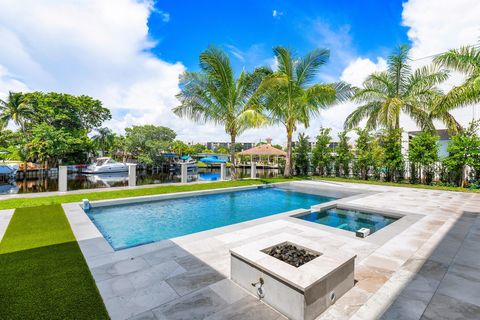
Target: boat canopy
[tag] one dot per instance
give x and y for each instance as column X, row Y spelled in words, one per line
column 212, row 159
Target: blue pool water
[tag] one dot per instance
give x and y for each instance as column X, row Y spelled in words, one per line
column 350, row 220
column 138, row 223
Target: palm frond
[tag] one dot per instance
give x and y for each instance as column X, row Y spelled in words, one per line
column 465, row 59
column 424, row 81
column 307, row 67
column 285, row 61
column 365, row 111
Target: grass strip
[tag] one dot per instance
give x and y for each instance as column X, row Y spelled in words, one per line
column 125, row 193
column 42, row 270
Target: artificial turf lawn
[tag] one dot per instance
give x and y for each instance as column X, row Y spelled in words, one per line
column 125, row 193
column 42, row 270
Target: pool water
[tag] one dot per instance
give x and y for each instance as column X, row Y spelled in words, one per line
column 138, row 223
column 350, row 220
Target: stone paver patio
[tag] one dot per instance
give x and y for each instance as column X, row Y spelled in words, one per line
column 425, row 265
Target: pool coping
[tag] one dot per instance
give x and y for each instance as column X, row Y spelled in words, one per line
column 94, row 245
column 405, row 220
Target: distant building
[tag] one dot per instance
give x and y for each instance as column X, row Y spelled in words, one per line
column 332, row 145
column 215, row 145
column 444, row 139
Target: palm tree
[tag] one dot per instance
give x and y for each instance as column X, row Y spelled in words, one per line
column 104, row 139
column 467, row 61
column 385, row 95
column 214, row 95
column 290, row 97
column 17, row 109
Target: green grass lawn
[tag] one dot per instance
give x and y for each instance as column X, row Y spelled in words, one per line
column 42, row 270
column 395, row 184
column 115, row 194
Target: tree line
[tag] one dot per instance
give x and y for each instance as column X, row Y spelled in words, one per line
column 377, row 155
column 291, row 95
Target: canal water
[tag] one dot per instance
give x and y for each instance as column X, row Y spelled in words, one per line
column 79, row 181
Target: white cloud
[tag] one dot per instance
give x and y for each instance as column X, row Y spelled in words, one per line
column 441, row 25
column 277, row 14
column 165, row 15
column 435, row 27
column 7, row 80
column 99, row 48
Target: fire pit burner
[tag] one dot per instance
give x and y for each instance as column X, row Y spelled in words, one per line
column 291, row 254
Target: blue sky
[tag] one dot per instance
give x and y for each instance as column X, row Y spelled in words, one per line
column 249, row 28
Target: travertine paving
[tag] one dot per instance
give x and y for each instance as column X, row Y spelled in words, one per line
column 429, row 253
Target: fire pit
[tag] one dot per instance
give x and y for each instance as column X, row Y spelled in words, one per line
column 291, row 254
column 292, row 274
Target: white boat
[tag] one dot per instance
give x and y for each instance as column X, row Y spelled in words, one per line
column 106, row 165
column 191, row 164
column 9, row 170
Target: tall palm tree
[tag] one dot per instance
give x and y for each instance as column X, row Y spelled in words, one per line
column 467, row 61
column 18, row 110
column 214, row 95
column 385, row 95
column 104, row 139
column 290, row 96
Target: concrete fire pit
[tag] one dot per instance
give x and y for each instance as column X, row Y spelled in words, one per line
column 302, row 292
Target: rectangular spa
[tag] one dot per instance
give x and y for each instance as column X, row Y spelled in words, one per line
column 137, row 223
column 349, row 219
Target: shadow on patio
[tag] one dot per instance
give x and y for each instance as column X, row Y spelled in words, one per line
column 447, row 285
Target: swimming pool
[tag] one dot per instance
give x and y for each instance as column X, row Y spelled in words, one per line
column 350, row 220
column 134, row 224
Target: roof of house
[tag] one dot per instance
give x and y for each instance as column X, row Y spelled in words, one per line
column 263, row 150
column 442, row 133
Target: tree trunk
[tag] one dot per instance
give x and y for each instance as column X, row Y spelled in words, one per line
column 288, row 161
column 233, row 171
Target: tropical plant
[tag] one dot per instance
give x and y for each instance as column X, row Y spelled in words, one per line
column 343, row 156
column 9, row 138
column 104, row 140
column 52, row 145
column 385, row 95
column 392, row 158
column 214, row 95
column 147, row 142
column 300, row 152
column 422, row 155
column 365, row 148
column 322, row 153
column 221, row 150
column 197, row 148
column 467, row 61
column 16, row 109
column 180, row 148
column 464, row 152
column 290, row 96
column 65, row 111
